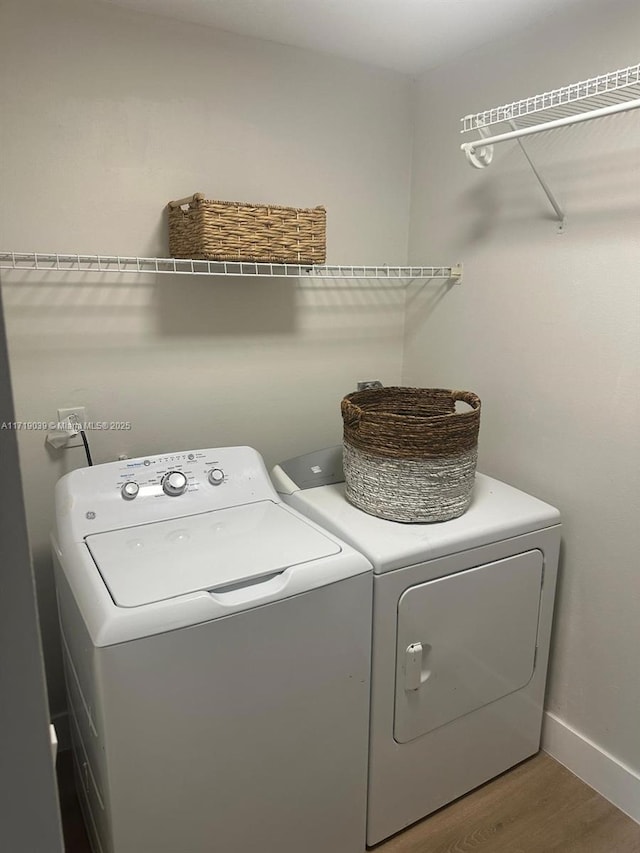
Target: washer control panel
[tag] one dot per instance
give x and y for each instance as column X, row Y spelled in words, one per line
column 152, row 488
column 172, row 475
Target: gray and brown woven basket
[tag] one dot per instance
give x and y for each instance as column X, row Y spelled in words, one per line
column 234, row 231
column 408, row 454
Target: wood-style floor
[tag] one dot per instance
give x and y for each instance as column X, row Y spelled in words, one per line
column 538, row 807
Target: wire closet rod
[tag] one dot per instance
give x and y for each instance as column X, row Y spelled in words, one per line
column 612, row 109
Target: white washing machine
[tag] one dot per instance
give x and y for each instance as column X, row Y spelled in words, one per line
column 217, row 654
column 461, row 624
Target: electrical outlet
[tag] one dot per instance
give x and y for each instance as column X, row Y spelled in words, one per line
column 66, row 415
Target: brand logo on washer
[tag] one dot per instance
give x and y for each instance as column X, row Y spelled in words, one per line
column 90, row 516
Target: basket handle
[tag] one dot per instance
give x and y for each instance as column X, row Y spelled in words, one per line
column 351, row 414
column 467, row 397
column 188, row 200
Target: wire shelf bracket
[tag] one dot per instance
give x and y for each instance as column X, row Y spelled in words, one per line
column 76, row 263
column 597, row 97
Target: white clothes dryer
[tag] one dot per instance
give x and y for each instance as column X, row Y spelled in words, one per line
column 217, row 656
column 461, row 626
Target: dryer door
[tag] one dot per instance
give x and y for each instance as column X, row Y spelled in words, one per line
column 465, row 640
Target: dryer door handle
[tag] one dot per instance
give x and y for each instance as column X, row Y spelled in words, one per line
column 415, row 673
column 413, row 666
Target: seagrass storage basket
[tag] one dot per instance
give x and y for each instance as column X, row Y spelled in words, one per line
column 408, row 454
column 234, row 231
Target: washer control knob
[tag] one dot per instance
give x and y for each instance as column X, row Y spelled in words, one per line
column 215, row 476
column 130, row 490
column 174, row 483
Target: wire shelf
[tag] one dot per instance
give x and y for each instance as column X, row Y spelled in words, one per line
column 176, row 266
column 606, row 90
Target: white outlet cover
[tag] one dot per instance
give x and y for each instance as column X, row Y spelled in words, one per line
column 81, row 414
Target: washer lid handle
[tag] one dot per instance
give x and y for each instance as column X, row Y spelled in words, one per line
column 251, row 590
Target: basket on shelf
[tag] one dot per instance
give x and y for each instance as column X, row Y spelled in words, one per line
column 234, row 231
column 408, row 454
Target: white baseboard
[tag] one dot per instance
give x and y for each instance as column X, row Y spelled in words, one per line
column 607, row 775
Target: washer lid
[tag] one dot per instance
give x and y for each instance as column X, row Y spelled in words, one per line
column 213, row 550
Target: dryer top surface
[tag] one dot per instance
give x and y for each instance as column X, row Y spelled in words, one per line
column 497, row 511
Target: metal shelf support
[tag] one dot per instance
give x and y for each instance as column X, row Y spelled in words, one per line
column 545, row 187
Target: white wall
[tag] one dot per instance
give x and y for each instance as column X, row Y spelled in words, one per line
column 106, row 115
column 546, row 328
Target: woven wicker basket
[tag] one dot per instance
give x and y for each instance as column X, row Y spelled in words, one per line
column 233, row 231
column 408, row 455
